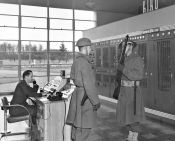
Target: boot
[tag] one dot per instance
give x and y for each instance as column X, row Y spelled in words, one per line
column 130, row 136
column 135, row 136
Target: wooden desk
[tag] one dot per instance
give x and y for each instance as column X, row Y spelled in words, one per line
column 51, row 122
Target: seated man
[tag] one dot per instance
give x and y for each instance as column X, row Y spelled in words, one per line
column 22, row 92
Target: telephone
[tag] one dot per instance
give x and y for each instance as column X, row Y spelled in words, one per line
column 56, row 97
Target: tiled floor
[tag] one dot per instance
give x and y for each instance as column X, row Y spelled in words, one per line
column 109, row 130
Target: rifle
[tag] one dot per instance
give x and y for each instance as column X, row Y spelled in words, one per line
column 119, row 72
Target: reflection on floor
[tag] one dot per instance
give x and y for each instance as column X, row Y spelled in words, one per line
column 107, row 129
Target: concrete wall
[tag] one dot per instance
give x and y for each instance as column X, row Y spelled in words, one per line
column 157, row 18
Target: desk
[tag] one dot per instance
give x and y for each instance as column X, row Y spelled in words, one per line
column 51, row 122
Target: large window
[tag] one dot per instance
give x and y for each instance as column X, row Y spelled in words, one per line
column 60, row 24
column 33, row 11
column 4, row 9
column 85, row 15
column 84, row 25
column 61, row 13
column 43, row 45
column 9, row 20
column 34, row 22
column 7, row 33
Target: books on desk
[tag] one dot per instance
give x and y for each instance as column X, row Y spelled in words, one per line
column 68, row 92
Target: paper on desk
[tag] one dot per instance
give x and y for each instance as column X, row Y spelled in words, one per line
column 67, row 93
column 56, row 84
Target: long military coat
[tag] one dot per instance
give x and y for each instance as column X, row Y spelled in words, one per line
column 83, row 77
column 133, row 70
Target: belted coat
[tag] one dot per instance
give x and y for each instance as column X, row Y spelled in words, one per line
column 133, row 71
column 83, row 77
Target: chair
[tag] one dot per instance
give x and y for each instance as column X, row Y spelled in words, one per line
column 10, row 119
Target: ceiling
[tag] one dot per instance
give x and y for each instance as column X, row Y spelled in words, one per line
column 114, row 6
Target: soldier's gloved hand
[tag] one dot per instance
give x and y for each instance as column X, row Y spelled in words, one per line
column 96, row 107
column 120, row 67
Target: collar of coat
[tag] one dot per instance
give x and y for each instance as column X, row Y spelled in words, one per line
column 24, row 82
column 80, row 55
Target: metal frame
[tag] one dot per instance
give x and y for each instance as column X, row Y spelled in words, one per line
column 6, row 108
column 20, row 27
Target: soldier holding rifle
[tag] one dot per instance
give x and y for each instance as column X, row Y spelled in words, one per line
column 130, row 108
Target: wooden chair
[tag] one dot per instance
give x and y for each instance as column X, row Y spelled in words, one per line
column 10, row 119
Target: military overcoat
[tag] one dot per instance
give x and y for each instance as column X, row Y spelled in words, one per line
column 83, row 77
column 133, row 70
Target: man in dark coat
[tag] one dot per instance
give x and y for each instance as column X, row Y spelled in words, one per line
column 21, row 93
column 85, row 101
column 130, row 107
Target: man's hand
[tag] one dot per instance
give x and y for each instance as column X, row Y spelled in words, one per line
column 96, row 107
column 34, row 82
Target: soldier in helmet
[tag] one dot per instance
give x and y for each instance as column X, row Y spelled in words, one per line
column 130, row 108
column 83, row 113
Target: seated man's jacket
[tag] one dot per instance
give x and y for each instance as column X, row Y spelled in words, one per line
column 22, row 92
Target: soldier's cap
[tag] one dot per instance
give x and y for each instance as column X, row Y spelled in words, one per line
column 83, row 42
column 134, row 44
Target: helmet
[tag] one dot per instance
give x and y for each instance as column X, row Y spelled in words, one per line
column 134, row 44
column 83, row 42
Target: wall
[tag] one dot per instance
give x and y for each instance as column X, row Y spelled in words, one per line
column 157, row 18
column 108, row 17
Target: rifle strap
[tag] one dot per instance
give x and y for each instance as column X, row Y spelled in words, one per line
column 85, row 97
column 135, row 101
